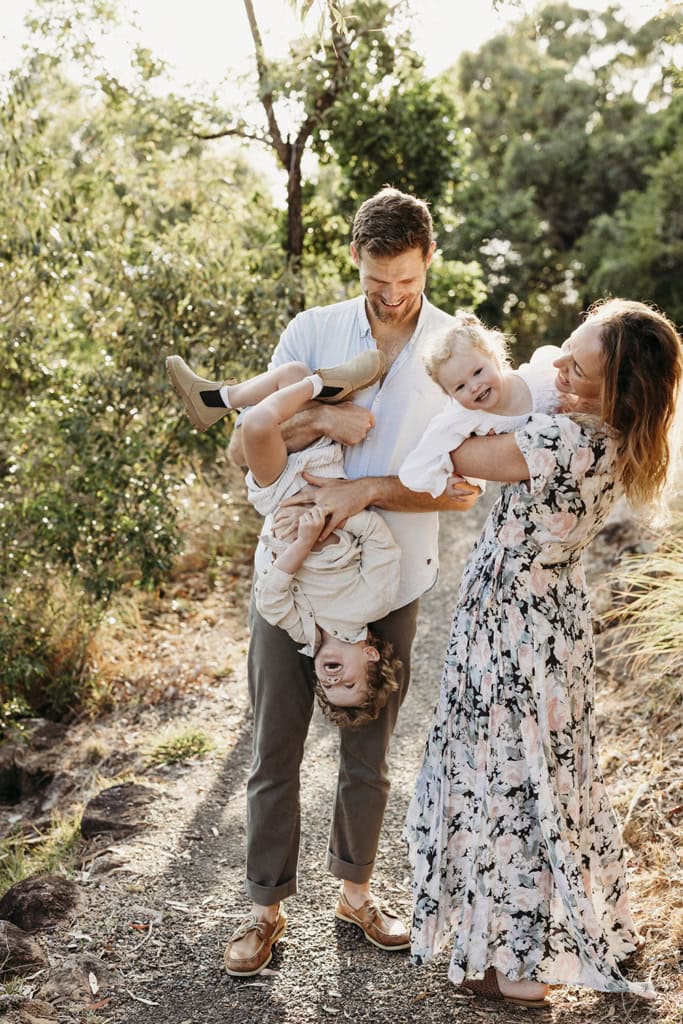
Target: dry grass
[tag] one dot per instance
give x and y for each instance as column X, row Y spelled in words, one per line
column 649, row 614
column 640, row 729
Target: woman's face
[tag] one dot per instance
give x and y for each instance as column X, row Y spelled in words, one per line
column 579, row 368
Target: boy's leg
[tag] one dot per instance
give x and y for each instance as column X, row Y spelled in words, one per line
column 204, row 400
column 265, row 451
column 256, row 389
column 363, row 782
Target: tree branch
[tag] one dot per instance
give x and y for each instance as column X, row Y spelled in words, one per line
column 282, row 148
column 231, row 131
column 6, row 313
column 341, row 48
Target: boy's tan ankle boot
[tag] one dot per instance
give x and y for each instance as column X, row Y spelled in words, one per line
column 203, row 403
column 360, row 372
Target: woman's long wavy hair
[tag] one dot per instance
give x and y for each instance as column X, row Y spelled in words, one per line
column 641, row 384
column 382, row 679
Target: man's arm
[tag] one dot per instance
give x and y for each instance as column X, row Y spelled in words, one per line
column 347, row 423
column 339, row 499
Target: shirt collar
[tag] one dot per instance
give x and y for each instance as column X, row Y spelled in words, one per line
column 366, row 329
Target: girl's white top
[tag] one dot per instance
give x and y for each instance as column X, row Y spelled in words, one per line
column 429, row 466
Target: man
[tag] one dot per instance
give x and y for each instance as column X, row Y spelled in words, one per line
column 393, row 245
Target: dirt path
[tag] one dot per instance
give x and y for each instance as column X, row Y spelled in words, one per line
column 163, row 904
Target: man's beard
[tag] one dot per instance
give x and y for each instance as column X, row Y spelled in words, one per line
column 388, row 315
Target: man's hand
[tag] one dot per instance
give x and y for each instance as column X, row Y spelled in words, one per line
column 336, row 499
column 346, row 422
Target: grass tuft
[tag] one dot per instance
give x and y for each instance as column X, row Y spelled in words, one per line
column 649, row 618
column 181, row 745
column 42, row 853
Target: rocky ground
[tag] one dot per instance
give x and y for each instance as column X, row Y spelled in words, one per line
column 161, row 903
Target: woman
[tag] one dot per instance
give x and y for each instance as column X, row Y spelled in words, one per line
column 516, row 853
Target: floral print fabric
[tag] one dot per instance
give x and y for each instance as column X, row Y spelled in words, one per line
column 516, row 853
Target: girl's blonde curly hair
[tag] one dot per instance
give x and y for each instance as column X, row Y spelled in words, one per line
column 466, row 333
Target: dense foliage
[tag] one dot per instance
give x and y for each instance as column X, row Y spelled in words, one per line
column 573, row 186
column 126, row 235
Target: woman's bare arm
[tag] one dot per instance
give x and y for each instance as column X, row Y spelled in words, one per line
column 495, row 457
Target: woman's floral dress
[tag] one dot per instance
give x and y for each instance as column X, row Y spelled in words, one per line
column 516, row 853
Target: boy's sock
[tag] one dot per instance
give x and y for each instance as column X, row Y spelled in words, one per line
column 316, row 382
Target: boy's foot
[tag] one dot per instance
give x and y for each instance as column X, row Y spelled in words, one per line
column 250, row 948
column 201, row 398
column 360, row 372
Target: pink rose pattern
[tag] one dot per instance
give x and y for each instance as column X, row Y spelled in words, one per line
column 516, row 852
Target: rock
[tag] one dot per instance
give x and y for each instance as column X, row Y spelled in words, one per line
column 41, row 901
column 43, row 734
column 27, row 1011
column 19, row 953
column 118, row 810
column 36, row 770
column 81, row 977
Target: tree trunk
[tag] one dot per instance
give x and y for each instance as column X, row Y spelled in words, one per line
column 295, row 229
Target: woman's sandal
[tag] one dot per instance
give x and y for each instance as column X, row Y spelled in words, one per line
column 488, row 986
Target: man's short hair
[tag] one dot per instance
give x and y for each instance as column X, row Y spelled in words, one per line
column 391, row 222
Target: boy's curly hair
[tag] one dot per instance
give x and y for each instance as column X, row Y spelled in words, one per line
column 383, row 680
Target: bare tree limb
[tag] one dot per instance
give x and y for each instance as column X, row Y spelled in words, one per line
column 282, row 148
column 240, row 132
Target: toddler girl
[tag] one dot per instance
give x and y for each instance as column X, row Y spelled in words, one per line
column 470, row 363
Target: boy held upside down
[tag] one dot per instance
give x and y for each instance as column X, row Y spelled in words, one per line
column 323, row 593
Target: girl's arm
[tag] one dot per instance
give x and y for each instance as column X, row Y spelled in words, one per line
column 494, row 457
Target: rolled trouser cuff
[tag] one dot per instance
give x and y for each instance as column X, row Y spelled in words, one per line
column 358, row 873
column 267, row 895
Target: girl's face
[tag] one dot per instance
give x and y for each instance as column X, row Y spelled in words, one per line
column 342, row 669
column 473, row 379
column 579, row 368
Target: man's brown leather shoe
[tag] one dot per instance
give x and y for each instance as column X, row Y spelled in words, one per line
column 244, row 962
column 379, row 924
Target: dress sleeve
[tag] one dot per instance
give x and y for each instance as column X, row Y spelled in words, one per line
column 540, row 374
column 558, row 451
